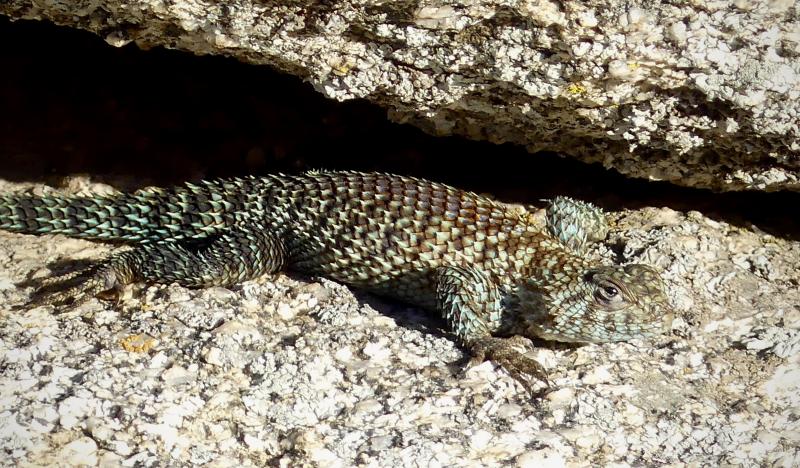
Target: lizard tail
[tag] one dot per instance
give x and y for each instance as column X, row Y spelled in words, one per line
column 150, row 215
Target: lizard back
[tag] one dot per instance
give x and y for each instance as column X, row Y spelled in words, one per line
column 388, row 233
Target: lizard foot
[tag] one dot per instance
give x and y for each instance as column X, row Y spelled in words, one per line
column 76, row 288
column 506, row 352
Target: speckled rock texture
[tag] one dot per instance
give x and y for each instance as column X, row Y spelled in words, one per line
column 699, row 93
column 295, row 371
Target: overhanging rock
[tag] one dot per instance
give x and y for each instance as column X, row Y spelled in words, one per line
column 702, row 94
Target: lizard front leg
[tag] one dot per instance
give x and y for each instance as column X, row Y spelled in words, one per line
column 236, row 255
column 471, row 304
column 576, row 223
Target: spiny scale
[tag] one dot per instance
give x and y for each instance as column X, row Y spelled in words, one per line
column 484, row 265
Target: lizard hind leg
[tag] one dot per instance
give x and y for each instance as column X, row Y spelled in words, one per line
column 236, row 255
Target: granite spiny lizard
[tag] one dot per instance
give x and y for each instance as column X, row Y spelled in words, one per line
column 493, row 273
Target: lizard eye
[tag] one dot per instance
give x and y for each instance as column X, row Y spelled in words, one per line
column 608, row 294
column 609, row 291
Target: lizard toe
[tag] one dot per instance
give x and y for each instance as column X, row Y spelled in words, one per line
column 506, row 353
column 74, row 289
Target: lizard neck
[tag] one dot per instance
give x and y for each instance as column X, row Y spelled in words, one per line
column 548, row 287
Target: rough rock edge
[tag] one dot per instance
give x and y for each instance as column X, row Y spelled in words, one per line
column 295, row 370
column 703, row 94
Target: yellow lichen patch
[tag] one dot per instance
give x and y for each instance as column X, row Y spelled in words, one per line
column 139, row 343
column 341, row 70
column 576, row 89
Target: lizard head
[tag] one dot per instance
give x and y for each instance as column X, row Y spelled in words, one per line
column 606, row 303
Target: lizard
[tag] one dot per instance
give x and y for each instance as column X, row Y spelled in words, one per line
column 496, row 277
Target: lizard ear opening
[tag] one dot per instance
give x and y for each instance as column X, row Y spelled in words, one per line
column 589, row 276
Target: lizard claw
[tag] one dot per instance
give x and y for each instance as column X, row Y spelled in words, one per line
column 506, row 353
